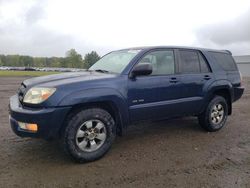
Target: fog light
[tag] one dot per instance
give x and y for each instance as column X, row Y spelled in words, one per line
column 28, row 126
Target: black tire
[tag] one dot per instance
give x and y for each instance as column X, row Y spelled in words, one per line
column 75, row 122
column 206, row 120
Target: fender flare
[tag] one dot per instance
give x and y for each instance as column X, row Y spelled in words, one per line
column 216, row 86
column 100, row 95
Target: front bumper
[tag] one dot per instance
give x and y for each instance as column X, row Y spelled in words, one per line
column 49, row 120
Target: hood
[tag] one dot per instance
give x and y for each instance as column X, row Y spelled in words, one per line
column 66, row 78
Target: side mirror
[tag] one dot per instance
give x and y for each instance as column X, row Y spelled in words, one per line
column 141, row 69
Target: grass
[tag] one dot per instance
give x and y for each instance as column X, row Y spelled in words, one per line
column 25, row 73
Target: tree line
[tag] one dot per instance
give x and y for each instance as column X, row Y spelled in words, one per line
column 72, row 59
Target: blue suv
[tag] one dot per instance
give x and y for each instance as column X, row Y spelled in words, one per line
column 86, row 110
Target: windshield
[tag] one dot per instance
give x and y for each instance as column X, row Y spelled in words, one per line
column 114, row 62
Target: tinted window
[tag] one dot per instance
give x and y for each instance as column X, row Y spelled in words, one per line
column 225, row 61
column 162, row 62
column 203, row 64
column 189, row 61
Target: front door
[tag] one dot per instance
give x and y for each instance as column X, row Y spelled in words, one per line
column 155, row 96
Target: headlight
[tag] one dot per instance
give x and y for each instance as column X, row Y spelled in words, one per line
column 37, row 95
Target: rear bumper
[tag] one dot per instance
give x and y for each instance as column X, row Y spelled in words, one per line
column 49, row 120
column 238, row 92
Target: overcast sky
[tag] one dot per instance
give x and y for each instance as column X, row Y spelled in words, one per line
column 51, row 27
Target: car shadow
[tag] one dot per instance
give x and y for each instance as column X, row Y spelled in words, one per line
column 41, row 151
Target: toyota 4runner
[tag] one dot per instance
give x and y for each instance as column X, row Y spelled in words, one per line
column 86, row 110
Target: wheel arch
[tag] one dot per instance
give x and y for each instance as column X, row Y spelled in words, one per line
column 221, row 88
column 109, row 106
column 225, row 93
column 108, row 99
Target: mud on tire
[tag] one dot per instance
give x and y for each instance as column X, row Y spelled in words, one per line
column 215, row 115
column 75, row 128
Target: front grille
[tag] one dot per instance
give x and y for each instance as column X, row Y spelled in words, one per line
column 21, row 92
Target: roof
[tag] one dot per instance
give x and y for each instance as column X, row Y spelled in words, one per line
column 242, row 59
column 178, row 47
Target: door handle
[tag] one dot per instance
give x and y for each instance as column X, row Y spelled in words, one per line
column 173, row 80
column 207, row 77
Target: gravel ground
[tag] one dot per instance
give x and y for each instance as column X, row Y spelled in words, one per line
column 173, row 153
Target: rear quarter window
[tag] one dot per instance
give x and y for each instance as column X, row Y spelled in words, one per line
column 224, row 60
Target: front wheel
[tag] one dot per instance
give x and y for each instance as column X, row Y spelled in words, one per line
column 89, row 134
column 215, row 115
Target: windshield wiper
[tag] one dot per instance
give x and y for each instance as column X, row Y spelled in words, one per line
column 101, row 70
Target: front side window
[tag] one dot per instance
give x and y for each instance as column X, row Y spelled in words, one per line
column 115, row 62
column 162, row 62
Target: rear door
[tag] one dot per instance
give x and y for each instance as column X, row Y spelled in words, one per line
column 195, row 73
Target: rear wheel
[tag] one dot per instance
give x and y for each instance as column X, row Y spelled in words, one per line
column 215, row 115
column 89, row 134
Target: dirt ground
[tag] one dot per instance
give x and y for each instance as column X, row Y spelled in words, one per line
column 173, row 153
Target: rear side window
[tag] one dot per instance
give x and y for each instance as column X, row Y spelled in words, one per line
column 189, row 61
column 224, row 60
column 203, row 64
